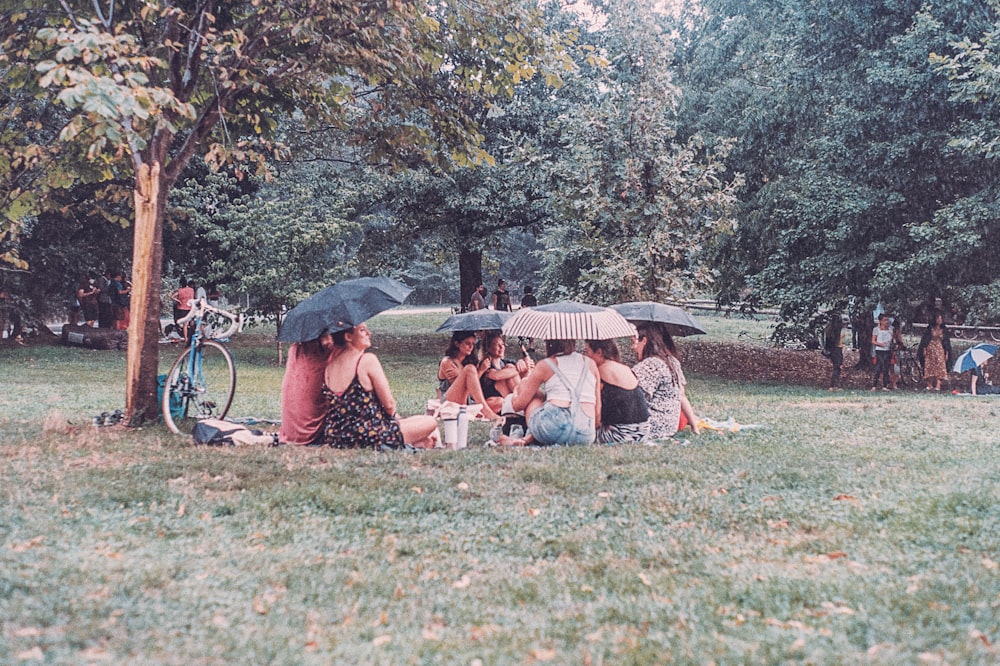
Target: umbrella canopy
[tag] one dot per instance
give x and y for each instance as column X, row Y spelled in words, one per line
column 477, row 320
column 974, row 356
column 567, row 320
column 341, row 306
column 678, row 322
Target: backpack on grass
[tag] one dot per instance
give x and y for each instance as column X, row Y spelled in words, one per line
column 216, row 432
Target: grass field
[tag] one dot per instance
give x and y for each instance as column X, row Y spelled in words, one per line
column 849, row 528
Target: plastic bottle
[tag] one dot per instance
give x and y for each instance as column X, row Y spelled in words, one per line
column 463, row 428
column 495, row 432
column 516, row 432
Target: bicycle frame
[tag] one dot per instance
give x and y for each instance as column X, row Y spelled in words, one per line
column 187, row 382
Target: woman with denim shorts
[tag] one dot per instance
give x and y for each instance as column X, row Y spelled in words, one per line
column 559, row 398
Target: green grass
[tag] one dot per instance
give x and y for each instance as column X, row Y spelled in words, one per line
column 850, row 528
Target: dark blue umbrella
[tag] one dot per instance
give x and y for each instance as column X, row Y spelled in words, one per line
column 477, row 320
column 341, row 306
column 678, row 322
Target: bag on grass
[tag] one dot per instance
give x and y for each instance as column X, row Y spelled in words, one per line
column 216, row 432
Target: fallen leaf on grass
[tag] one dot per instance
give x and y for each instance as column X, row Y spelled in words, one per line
column 771, row 499
column 462, row 583
column 988, row 563
column 382, row 640
column 24, row 546
column 432, row 632
column 26, row 632
column 463, row 486
column 94, row 653
column 543, row 654
column 846, row 498
column 534, row 512
column 777, row 524
column 181, row 510
column 33, row 653
column 417, row 489
column 975, row 634
column 645, row 580
column 485, row 631
column 604, row 494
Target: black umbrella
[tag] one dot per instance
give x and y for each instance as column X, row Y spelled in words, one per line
column 341, row 306
column 477, row 320
column 678, row 322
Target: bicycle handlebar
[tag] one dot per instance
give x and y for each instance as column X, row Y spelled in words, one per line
column 198, row 309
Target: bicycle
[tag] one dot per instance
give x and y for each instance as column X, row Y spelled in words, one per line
column 202, row 381
column 909, row 368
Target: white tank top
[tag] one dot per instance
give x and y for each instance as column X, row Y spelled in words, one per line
column 573, row 366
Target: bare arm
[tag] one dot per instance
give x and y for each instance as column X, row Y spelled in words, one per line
column 531, row 385
column 372, row 377
column 448, row 369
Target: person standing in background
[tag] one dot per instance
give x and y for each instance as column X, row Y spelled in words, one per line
column 501, row 297
column 833, row 345
column 934, row 352
column 478, row 300
column 121, row 301
column 528, row 300
column 882, row 345
column 105, row 315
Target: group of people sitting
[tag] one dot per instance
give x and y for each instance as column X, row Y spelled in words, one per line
column 335, row 393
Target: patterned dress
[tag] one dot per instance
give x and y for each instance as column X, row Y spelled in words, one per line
column 935, row 364
column 662, row 382
column 357, row 420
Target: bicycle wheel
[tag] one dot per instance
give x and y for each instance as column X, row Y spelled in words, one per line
column 995, row 334
column 204, row 393
column 916, row 373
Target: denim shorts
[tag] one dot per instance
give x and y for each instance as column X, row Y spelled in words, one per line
column 551, row 424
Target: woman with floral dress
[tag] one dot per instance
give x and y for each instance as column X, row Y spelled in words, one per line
column 934, row 352
column 362, row 412
column 662, row 380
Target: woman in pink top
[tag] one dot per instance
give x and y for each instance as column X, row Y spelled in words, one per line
column 303, row 406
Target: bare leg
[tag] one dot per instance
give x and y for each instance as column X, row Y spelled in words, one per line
column 466, row 385
column 419, row 430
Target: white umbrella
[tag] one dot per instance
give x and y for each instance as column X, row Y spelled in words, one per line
column 568, row 320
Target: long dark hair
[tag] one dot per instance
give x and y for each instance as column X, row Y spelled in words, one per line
column 608, row 348
column 339, row 338
column 456, row 340
column 659, row 342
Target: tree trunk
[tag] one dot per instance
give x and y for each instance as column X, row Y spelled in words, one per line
column 863, row 325
column 144, row 325
column 470, row 271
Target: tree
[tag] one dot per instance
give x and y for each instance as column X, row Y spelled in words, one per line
column 635, row 205
column 154, row 83
column 843, row 136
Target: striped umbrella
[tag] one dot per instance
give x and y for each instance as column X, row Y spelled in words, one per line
column 568, row 320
